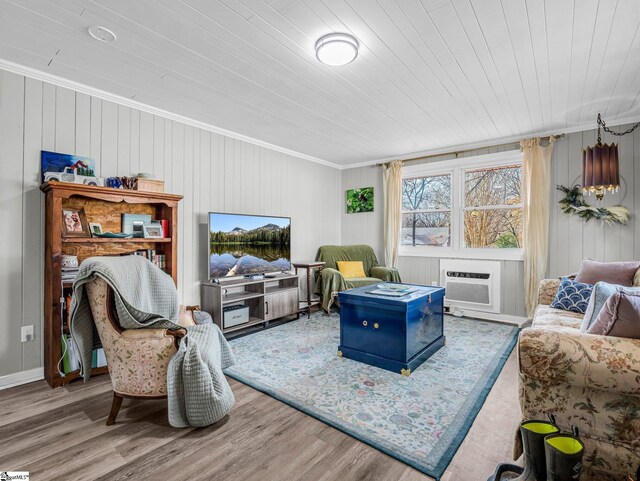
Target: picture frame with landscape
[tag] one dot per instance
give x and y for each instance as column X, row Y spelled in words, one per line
column 95, row 229
column 152, row 231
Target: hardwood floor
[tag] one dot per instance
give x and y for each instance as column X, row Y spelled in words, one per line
column 61, row 434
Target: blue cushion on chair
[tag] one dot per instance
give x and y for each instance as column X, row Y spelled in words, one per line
column 572, row 296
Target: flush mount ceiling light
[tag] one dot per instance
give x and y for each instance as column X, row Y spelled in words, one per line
column 102, row 33
column 337, row 49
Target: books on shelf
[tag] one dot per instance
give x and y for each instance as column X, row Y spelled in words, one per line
column 98, row 358
column 66, row 311
column 71, row 358
column 69, row 274
column 158, row 259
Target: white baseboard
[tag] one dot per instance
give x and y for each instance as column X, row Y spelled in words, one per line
column 490, row 316
column 22, row 377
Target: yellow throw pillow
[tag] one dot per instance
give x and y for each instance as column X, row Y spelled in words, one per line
column 636, row 279
column 351, row 269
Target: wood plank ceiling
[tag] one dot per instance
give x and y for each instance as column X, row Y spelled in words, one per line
column 431, row 74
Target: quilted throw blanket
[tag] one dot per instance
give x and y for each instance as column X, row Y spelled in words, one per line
column 198, row 392
column 145, row 297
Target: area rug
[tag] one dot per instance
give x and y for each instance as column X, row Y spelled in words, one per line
column 420, row 420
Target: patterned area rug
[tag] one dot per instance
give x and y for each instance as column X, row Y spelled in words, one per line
column 420, row 420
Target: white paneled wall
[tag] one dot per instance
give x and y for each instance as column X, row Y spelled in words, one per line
column 570, row 239
column 213, row 172
column 368, row 229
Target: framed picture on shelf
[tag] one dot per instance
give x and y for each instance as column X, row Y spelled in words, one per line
column 133, row 223
column 95, row 228
column 74, row 223
column 152, row 231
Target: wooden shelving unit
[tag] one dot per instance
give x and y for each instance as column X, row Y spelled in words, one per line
column 268, row 299
column 113, row 240
column 105, row 206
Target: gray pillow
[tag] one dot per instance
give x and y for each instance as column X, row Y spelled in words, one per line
column 601, row 292
column 620, row 316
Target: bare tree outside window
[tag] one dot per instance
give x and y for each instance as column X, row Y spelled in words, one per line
column 490, row 214
column 426, row 207
column 493, row 208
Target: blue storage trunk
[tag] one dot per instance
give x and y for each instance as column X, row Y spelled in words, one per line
column 393, row 333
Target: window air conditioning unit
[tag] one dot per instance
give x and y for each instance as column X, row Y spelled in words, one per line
column 471, row 285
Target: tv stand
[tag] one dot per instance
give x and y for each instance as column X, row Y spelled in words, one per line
column 268, row 299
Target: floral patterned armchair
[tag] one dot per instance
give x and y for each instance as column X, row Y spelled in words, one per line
column 137, row 358
column 590, row 381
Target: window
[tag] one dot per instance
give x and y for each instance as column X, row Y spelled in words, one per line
column 493, row 207
column 426, row 211
column 469, row 207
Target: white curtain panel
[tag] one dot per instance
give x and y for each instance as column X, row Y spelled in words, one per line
column 392, row 187
column 537, row 205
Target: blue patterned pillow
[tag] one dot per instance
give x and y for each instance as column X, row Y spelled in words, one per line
column 572, row 296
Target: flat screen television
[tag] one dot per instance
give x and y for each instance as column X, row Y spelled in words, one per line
column 248, row 244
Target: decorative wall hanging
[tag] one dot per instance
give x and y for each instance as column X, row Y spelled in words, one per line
column 573, row 203
column 600, row 164
column 360, row 200
column 57, row 167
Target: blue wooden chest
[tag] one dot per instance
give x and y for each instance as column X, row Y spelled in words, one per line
column 393, row 333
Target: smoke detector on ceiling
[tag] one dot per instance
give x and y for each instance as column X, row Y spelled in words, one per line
column 102, row 33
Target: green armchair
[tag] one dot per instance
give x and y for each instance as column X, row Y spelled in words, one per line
column 331, row 281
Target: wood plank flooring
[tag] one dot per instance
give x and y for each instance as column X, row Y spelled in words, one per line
column 61, row 434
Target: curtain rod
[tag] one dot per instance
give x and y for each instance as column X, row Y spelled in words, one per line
column 458, row 152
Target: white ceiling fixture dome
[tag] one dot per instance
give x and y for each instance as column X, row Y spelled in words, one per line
column 337, row 49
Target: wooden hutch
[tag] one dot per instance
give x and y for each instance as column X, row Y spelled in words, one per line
column 102, row 205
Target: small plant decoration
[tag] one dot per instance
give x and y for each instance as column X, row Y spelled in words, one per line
column 573, row 203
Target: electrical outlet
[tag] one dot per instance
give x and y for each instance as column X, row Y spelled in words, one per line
column 27, row 333
column 434, row 283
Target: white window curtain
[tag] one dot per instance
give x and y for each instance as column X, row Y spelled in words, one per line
column 392, row 187
column 536, row 191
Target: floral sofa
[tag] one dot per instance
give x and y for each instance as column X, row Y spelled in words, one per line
column 590, row 381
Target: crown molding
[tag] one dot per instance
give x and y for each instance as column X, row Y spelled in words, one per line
column 493, row 142
column 104, row 95
column 118, row 99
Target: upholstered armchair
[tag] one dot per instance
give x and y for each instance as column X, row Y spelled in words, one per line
column 584, row 380
column 331, row 281
column 137, row 358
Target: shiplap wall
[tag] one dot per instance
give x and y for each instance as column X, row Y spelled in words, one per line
column 213, row 172
column 570, row 239
column 368, row 229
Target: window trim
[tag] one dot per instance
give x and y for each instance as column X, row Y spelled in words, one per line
column 456, row 168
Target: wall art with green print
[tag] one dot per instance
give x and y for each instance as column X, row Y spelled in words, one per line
column 360, row 200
